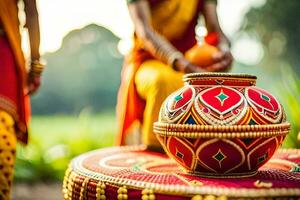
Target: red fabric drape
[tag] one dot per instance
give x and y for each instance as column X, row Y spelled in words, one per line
column 13, row 72
column 12, row 98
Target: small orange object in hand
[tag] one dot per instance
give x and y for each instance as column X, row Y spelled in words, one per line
column 202, row 55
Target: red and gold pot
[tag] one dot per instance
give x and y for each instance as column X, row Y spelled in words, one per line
column 221, row 124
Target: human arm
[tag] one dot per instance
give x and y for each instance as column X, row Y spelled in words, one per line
column 36, row 67
column 155, row 43
column 224, row 58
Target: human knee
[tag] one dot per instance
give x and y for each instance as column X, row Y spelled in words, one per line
column 150, row 81
column 159, row 81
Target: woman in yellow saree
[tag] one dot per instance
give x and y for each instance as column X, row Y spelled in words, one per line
column 15, row 84
column 164, row 30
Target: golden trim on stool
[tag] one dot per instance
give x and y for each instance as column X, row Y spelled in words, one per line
column 208, row 197
column 65, row 183
column 83, row 189
column 148, row 194
column 122, row 193
column 103, row 180
column 100, row 191
column 71, row 184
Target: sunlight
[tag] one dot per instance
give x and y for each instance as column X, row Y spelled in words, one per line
column 247, row 50
column 58, row 18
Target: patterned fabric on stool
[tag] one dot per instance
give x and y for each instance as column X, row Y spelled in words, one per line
column 134, row 173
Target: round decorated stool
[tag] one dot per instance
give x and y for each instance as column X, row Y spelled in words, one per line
column 134, row 173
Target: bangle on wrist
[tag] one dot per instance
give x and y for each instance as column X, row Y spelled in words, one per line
column 172, row 58
column 37, row 67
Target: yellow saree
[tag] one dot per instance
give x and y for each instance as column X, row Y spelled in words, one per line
column 176, row 21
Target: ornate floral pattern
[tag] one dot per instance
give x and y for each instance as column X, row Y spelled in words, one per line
column 132, row 172
column 221, row 157
column 221, row 104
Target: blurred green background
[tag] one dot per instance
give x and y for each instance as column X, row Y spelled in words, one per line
column 74, row 109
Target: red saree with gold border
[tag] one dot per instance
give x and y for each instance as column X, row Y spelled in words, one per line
column 12, row 69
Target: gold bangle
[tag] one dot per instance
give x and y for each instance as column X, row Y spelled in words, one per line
column 38, row 63
column 37, row 67
column 173, row 56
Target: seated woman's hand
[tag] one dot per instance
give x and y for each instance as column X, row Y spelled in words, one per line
column 223, row 61
column 183, row 65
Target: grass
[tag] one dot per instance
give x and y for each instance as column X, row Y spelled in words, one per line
column 55, row 140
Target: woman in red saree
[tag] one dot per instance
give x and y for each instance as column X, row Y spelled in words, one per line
column 164, row 31
column 15, row 84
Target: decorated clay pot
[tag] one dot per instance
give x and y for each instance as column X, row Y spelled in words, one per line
column 221, row 125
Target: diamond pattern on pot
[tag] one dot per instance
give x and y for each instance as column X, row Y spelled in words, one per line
column 221, row 105
column 219, row 156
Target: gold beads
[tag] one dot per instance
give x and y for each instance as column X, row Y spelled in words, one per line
column 65, row 183
column 122, row 193
column 83, row 189
column 197, row 197
column 208, row 197
column 70, row 185
column 222, row 198
column 147, row 194
column 100, row 191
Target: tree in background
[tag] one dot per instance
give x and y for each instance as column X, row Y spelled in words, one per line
column 83, row 73
column 276, row 26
